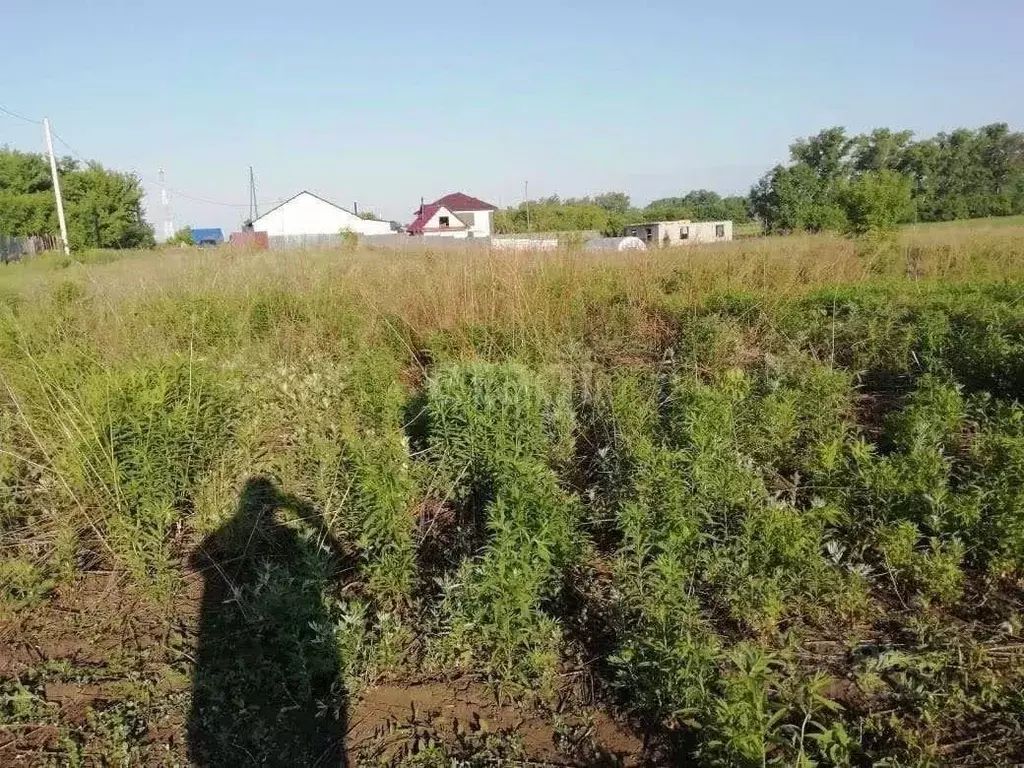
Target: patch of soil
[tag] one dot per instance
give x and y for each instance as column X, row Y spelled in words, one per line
column 389, row 721
column 27, row 738
column 95, row 644
column 91, row 621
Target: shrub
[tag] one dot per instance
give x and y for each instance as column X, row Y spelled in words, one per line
column 141, row 438
column 380, row 513
column 665, row 656
column 484, row 417
column 182, row 237
column 494, row 431
column 998, row 539
column 932, row 417
column 349, row 239
column 21, row 582
column 932, row 571
column 775, row 566
column 877, row 201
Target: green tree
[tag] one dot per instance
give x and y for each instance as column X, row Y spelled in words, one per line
column 825, row 153
column 103, row 208
column 965, row 173
column 877, row 201
column 793, row 198
column 613, row 202
column 880, row 150
column 182, row 237
column 552, row 214
column 699, row 205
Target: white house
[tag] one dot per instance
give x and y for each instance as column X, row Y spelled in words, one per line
column 306, row 215
column 454, row 215
column 683, row 232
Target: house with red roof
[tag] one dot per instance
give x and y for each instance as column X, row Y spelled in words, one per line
column 455, row 215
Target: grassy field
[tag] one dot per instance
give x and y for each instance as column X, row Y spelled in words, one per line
column 744, row 504
column 994, row 222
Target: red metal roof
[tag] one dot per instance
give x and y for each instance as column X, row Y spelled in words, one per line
column 457, row 202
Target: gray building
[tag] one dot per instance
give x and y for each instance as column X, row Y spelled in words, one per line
column 685, row 232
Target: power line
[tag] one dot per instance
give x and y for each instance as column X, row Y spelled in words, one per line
column 178, row 192
column 78, row 156
column 19, row 117
column 74, row 152
column 187, row 196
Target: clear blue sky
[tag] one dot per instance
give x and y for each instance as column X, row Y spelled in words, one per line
column 385, row 102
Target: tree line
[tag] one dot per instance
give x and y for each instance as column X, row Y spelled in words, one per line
column 610, row 212
column 833, row 181
column 882, row 178
column 103, row 208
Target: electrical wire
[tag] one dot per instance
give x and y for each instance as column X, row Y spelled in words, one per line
column 6, row 111
column 78, row 156
column 74, row 152
column 178, row 192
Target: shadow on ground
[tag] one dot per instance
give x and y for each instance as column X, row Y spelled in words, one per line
column 266, row 686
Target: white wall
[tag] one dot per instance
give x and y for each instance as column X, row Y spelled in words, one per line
column 704, row 231
column 307, row 214
column 482, row 223
column 459, row 230
column 458, row 234
column 524, row 243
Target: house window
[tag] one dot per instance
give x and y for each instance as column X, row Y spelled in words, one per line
column 650, row 234
column 719, row 230
column 444, row 221
column 684, row 233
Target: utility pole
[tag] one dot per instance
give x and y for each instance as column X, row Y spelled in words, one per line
column 56, row 187
column 254, row 208
column 165, row 201
column 526, row 198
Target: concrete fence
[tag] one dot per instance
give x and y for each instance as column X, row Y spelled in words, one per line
column 16, row 248
column 400, row 242
column 304, row 242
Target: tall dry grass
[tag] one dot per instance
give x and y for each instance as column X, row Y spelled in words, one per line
column 125, row 307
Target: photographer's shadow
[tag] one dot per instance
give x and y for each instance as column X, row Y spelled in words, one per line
column 267, row 688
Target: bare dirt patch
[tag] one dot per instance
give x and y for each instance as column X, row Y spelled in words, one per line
column 96, row 659
column 390, row 721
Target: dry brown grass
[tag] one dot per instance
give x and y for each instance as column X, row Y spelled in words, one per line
column 533, row 296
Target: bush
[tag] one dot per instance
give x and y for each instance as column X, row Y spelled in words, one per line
column 933, row 571
column 495, row 431
column 877, row 201
column 182, row 237
column 142, row 439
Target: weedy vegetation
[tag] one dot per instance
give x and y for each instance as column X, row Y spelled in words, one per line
column 760, row 503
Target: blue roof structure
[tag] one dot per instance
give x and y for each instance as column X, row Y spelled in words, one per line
column 212, row 236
